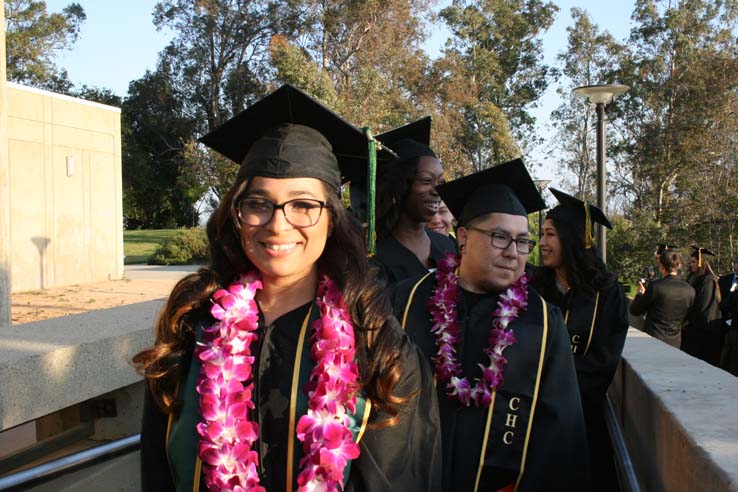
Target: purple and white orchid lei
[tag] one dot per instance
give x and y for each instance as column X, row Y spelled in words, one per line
column 447, row 329
column 227, row 434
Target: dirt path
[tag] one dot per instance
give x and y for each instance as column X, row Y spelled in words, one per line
column 62, row 301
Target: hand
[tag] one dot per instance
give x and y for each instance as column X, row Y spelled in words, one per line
column 641, row 287
column 734, row 287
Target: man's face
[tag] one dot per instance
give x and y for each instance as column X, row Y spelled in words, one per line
column 486, row 268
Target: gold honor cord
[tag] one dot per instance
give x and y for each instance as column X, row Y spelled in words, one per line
column 170, row 421
column 544, row 339
column 485, row 440
column 410, row 300
column 371, row 191
column 293, row 401
column 592, row 326
column 365, row 420
column 198, row 471
column 587, row 227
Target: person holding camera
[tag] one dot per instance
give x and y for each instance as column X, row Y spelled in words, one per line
column 665, row 302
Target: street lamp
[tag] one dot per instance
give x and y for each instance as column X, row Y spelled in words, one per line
column 541, row 184
column 601, row 96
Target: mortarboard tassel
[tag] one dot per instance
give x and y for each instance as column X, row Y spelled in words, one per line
column 371, row 187
column 587, row 227
column 699, row 257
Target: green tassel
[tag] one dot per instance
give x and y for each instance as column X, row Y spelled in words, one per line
column 371, row 191
column 587, row 227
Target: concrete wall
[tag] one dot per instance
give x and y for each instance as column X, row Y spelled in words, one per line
column 53, row 364
column 678, row 416
column 66, row 205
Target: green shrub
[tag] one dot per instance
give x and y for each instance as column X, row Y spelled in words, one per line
column 183, row 248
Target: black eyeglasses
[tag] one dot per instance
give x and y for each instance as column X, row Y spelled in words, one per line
column 501, row 240
column 300, row 212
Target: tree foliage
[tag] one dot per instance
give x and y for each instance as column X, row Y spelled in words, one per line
column 33, row 37
column 586, row 61
column 672, row 148
column 493, row 66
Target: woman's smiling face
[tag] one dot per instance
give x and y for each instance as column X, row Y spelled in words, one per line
column 422, row 200
column 277, row 248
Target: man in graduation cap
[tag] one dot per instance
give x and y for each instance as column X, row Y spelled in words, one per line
column 666, row 302
column 511, row 415
column 574, row 278
column 703, row 335
column 407, row 201
column 262, row 377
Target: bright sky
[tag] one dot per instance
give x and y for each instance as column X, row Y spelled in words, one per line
column 118, row 43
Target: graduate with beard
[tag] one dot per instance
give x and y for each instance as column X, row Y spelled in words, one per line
column 406, row 201
column 511, row 415
column 595, row 312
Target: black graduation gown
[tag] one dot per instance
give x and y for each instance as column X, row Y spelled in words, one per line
column 703, row 335
column 398, row 263
column 405, row 457
column 536, row 437
column 666, row 304
column 597, row 323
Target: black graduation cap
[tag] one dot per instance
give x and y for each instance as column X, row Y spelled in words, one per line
column 269, row 138
column 699, row 252
column 660, row 248
column 504, row 188
column 575, row 209
column 579, row 212
column 411, row 140
column 408, row 142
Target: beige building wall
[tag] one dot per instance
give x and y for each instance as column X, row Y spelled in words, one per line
column 66, row 205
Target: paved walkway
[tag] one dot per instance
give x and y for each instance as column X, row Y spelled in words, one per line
column 140, row 283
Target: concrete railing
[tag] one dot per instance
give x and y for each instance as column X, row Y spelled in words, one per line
column 679, row 418
column 49, row 365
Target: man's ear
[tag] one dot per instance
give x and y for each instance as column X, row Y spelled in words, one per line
column 461, row 238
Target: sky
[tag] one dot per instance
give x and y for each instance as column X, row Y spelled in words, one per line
column 118, row 43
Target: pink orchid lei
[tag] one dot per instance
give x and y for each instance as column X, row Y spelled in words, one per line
column 447, row 329
column 227, row 435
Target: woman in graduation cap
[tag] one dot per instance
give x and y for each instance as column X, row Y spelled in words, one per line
column 279, row 366
column 703, row 335
column 576, row 280
column 407, row 201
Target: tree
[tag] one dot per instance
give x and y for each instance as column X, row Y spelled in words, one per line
column 587, row 60
column 492, row 66
column 366, row 57
column 34, row 37
column 217, row 66
column 679, row 145
column 157, row 192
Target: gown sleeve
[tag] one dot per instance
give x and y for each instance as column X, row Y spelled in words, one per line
column 641, row 302
column 155, row 473
column 405, row 457
column 559, row 453
column 596, row 368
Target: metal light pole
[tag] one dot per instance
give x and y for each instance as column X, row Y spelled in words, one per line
column 601, row 96
column 541, row 184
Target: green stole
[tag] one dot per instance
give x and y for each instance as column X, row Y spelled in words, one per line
column 182, row 438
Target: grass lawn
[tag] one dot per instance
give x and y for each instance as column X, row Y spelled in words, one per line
column 139, row 245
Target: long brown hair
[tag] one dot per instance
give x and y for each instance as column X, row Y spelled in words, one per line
column 343, row 260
